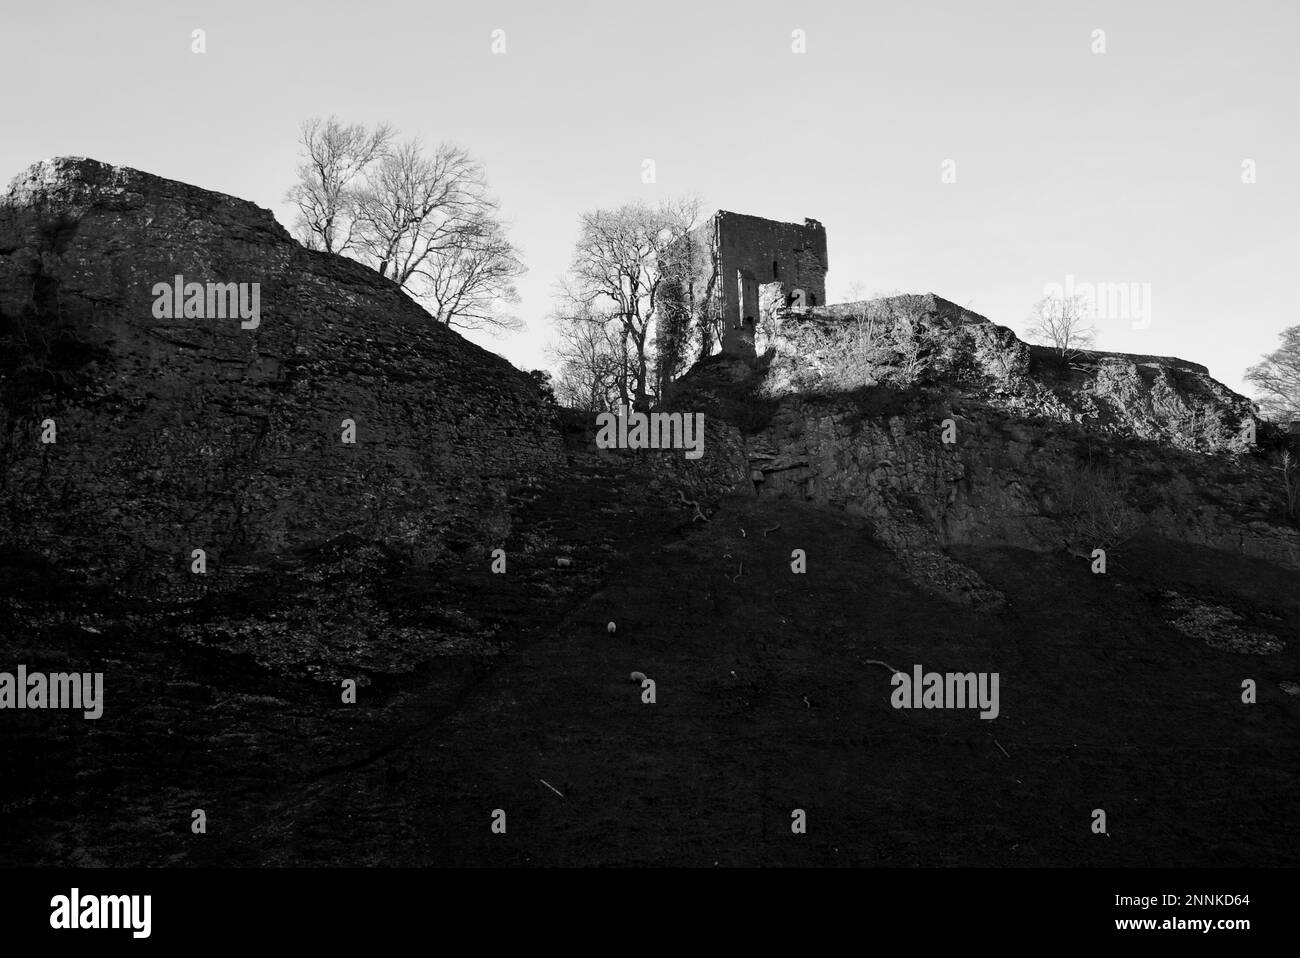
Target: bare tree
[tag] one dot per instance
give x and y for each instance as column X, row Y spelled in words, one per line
column 336, row 159
column 1063, row 323
column 594, row 361
column 414, row 207
column 1278, row 379
column 618, row 263
column 468, row 284
column 425, row 220
column 1099, row 509
column 855, row 292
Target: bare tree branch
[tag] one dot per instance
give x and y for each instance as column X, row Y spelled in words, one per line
column 1062, row 323
column 618, row 264
column 1277, row 377
column 337, row 157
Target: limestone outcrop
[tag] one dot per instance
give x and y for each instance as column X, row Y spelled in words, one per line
column 181, row 431
column 1040, row 450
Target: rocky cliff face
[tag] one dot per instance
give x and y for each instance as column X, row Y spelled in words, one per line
column 175, row 432
column 909, row 340
column 946, row 429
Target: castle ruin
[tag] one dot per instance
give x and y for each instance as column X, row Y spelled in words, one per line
column 749, row 258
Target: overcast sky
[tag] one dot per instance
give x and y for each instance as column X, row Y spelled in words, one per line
column 1117, row 167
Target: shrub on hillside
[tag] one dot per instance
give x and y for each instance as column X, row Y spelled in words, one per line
column 887, row 343
column 1098, row 505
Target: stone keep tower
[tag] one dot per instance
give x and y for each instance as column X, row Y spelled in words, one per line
column 749, row 252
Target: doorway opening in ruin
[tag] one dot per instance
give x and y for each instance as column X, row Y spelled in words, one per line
column 747, row 287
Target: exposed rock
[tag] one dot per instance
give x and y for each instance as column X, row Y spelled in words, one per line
column 177, row 434
column 1049, row 452
column 1217, row 627
column 893, row 340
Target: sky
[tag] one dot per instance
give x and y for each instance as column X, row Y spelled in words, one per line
column 979, row 151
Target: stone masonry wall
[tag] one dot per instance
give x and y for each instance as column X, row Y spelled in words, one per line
column 748, row 252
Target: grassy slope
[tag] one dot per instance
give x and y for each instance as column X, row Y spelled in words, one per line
column 764, row 705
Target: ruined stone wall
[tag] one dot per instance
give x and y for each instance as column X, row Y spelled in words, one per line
column 769, row 251
column 742, row 254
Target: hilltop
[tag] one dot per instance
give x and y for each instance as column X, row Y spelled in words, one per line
column 946, row 429
column 178, row 434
